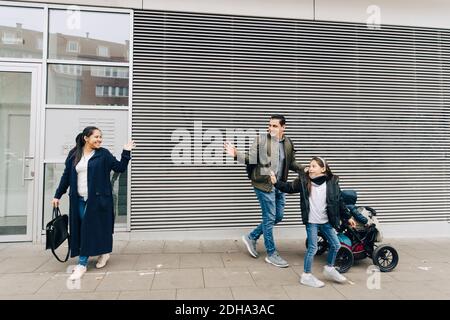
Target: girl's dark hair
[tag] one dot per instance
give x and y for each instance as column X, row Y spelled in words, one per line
column 325, row 165
column 80, row 142
column 320, row 162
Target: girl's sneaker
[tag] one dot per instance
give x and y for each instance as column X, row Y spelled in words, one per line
column 309, row 280
column 332, row 274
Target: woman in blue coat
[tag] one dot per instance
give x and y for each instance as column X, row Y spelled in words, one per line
column 87, row 172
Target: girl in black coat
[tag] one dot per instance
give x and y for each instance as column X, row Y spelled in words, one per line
column 322, row 210
column 87, row 172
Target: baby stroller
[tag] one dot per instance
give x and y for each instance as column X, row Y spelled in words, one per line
column 362, row 241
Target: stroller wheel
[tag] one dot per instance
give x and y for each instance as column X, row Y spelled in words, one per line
column 385, row 257
column 322, row 244
column 344, row 260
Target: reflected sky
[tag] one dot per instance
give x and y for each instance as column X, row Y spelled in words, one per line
column 113, row 27
column 30, row 18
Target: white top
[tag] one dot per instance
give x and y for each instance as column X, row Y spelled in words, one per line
column 318, row 204
column 81, row 168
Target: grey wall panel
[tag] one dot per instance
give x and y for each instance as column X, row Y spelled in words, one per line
column 300, row 9
column 137, row 4
column 375, row 103
column 430, row 13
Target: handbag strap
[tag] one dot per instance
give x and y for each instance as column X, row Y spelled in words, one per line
column 56, row 212
column 67, row 255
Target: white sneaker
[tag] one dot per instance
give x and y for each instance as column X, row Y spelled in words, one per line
column 332, row 274
column 77, row 272
column 101, row 262
column 309, row 280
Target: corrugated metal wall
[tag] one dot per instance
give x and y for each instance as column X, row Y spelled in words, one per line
column 375, row 103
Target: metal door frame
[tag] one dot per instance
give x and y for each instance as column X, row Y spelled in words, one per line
column 34, row 155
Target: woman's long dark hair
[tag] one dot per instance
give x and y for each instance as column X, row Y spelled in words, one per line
column 80, row 142
column 325, row 165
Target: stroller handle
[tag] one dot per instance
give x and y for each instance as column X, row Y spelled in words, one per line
column 372, row 210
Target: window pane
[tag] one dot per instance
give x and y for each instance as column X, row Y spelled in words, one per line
column 120, row 186
column 15, row 113
column 86, row 85
column 99, row 91
column 103, row 51
column 53, row 173
column 63, row 125
column 85, row 35
column 21, row 32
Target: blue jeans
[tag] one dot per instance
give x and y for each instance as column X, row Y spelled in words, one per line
column 331, row 237
column 83, row 260
column 272, row 207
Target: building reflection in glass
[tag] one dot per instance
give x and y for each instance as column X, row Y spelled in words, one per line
column 89, row 36
column 87, row 85
column 21, row 32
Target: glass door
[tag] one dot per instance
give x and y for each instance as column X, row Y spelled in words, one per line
column 18, row 107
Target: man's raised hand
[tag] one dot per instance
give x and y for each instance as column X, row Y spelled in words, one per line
column 230, row 149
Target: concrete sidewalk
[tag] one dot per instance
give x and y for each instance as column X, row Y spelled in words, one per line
column 218, row 270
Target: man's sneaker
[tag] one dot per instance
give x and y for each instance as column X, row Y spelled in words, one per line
column 77, row 272
column 276, row 260
column 101, row 262
column 332, row 274
column 251, row 246
column 309, row 280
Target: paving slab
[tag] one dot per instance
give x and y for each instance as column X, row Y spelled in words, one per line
column 178, row 279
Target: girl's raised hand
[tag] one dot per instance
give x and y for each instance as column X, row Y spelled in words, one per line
column 130, row 145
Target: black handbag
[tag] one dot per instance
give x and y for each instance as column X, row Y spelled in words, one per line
column 57, row 231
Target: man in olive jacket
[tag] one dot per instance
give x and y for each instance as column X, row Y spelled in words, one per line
column 271, row 151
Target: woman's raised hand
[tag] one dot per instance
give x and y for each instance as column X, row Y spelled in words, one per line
column 130, row 145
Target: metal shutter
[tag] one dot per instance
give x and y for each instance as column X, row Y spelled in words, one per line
column 375, row 103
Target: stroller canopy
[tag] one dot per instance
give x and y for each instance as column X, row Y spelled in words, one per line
column 349, row 197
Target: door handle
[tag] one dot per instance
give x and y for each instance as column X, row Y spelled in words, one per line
column 25, row 158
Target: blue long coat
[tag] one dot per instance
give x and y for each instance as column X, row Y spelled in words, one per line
column 93, row 235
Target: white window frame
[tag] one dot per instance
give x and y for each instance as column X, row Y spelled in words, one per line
column 40, row 43
column 10, row 37
column 99, row 91
column 69, row 49
column 103, row 51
